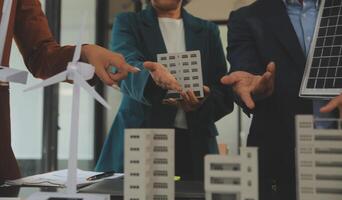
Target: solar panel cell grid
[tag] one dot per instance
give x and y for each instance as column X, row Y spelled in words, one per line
column 325, row 60
column 330, row 3
column 338, row 83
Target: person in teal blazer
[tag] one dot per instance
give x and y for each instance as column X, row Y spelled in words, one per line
column 138, row 37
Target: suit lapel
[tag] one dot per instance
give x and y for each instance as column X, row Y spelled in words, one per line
column 193, row 32
column 151, row 33
column 275, row 14
column 195, row 38
column 153, row 38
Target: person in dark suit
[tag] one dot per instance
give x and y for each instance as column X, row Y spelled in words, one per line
column 43, row 57
column 165, row 27
column 267, row 46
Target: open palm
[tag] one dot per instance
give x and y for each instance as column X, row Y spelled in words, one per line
column 246, row 85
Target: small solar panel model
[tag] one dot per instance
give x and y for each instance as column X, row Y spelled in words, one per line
column 323, row 72
column 186, row 67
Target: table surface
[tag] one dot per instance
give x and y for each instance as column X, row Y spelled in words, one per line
column 24, row 192
column 190, row 190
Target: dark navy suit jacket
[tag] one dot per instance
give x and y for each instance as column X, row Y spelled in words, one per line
column 257, row 34
column 138, row 37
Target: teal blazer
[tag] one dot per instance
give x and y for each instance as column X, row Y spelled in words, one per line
column 137, row 36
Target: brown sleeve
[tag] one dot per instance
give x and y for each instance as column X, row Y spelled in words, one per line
column 43, row 56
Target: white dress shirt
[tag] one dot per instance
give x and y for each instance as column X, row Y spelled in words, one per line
column 174, row 38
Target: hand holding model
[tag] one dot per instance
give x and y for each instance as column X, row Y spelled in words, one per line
column 189, row 100
column 102, row 59
column 162, row 77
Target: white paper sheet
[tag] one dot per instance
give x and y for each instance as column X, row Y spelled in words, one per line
column 59, row 179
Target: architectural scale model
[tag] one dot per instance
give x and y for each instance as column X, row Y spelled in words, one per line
column 149, row 164
column 232, row 177
column 319, row 160
column 186, row 67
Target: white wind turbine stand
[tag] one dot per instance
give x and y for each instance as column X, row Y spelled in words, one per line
column 7, row 74
column 77, row 72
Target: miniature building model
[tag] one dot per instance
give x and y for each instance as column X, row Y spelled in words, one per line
column 232, row 177
column 319, row 160
column 149, row 164
column 186, row 67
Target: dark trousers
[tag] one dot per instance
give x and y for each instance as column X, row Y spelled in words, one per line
column 277, row 177
column 189, row 155
column 272, row 189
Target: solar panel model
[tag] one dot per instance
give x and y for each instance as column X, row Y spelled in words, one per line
column 323, row 71
column 186, row 67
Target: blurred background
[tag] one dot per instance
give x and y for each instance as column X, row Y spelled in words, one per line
column 41, row 118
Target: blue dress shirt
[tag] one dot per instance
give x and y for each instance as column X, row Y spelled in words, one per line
column 303, row 18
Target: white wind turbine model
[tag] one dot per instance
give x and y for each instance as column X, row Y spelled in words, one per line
column 78, row 72
column 8, row 74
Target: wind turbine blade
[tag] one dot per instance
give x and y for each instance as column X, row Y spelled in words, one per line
column 77, row 54
column 6, row 12
column 79, row 80
column 50, row 81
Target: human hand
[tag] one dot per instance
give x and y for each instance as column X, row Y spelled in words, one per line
column 102, row 59
column 162, row 77
column 333, row 104
column 189, row 102
column 245, row 84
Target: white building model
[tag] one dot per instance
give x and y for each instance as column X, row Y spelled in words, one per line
column 149, row 164
column 232, row 177
column 319, row 160
column 186, row 67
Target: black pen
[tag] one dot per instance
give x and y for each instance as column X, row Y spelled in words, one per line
column 99, row 176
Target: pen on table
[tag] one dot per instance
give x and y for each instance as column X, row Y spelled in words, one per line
column 100, row 176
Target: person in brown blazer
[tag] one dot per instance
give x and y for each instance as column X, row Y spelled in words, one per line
column 44, row 57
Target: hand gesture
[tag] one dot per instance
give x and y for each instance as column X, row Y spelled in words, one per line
column 189, row 102
column 162, row 77
column 247, row 85
column 102, row 59
column 333, row 104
